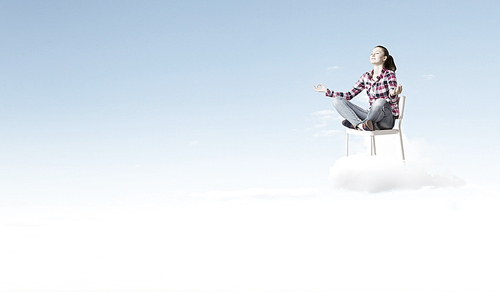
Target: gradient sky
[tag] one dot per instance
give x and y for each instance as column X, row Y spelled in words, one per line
column 157, row 96
column 105, row 102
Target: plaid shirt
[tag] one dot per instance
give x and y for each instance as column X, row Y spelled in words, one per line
column 379, row 87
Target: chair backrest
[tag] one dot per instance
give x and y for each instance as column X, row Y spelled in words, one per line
column 401, row 105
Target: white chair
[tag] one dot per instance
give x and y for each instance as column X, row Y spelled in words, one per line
column 372, row 134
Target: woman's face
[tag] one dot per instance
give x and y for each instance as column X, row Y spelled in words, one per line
column 377, row 56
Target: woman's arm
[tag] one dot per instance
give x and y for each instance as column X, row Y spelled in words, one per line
column 394, row 88
column 357, row 88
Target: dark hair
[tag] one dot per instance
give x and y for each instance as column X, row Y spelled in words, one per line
column 389, row 62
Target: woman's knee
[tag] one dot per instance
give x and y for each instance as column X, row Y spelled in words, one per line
column 379, row 102
column 337, row 100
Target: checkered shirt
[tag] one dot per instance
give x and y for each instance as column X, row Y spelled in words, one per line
column 380, row 87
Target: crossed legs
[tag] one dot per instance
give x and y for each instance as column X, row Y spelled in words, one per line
column 380, row 113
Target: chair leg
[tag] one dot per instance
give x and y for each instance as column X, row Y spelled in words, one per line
column 402, row 149
column 346, row 144
column 374, row 148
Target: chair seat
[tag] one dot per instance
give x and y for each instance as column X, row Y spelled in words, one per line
column 372, row 133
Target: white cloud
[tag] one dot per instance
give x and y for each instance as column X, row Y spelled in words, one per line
column 387, row 172
column 380, row 174
column 323, row 243
column 326, row 133
column 332, row 68
column 256, row 192
column 322, row 125
column 429, row 76
column 325, row 118
column 325, row 113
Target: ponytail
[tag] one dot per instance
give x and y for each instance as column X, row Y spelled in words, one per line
column 389, row 62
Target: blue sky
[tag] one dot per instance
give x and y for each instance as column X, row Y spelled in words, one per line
column 138, row 102
column 186, row 91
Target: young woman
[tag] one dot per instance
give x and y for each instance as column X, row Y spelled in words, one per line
column 382, row 89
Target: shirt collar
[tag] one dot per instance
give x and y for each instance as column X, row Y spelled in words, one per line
column 382, row 73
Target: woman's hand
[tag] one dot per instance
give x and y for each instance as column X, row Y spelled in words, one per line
column 320, row 88
column 397, row 91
